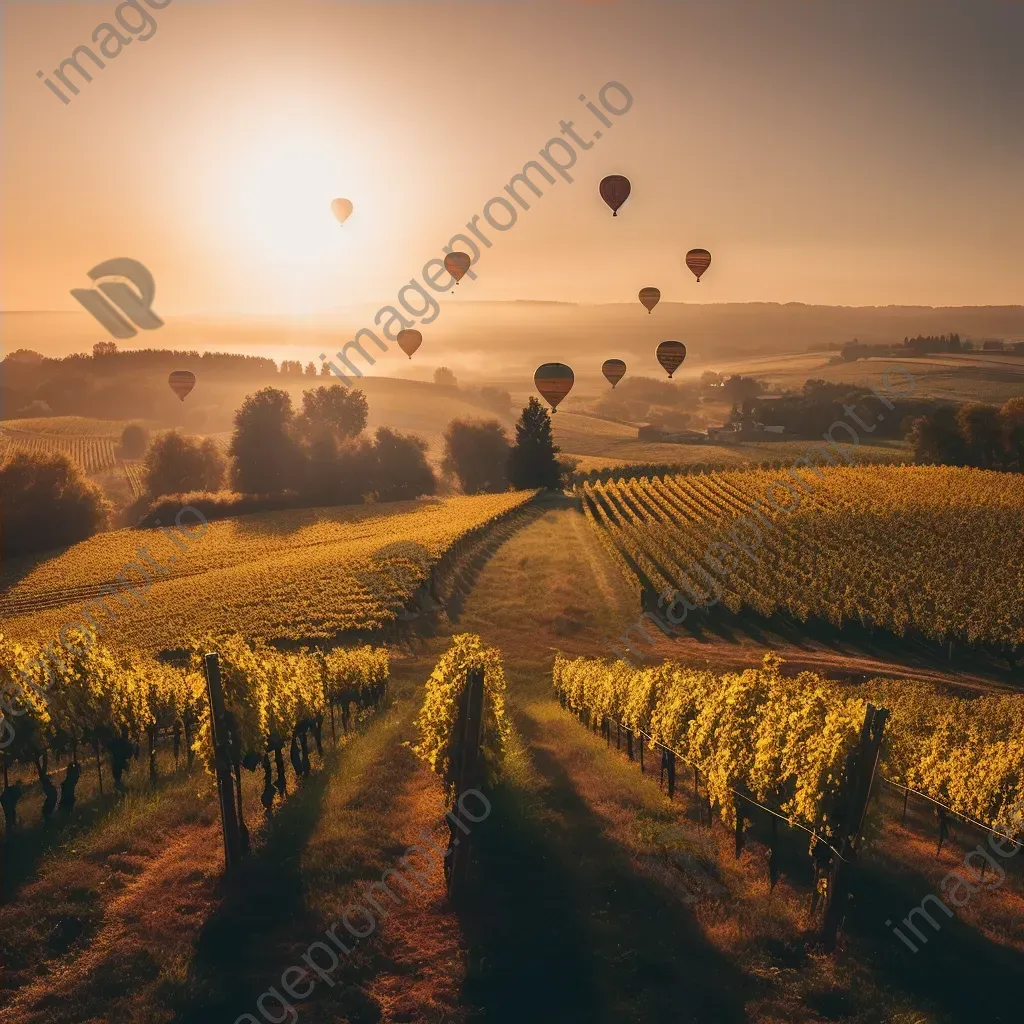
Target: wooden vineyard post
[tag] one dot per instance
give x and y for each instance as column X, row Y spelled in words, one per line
column 468, row 775
column 225, row 783
column 906, row 795
column 738, row 806
column 859, row 779
column 671, row 766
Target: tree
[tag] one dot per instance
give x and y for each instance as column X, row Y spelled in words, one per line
column 444, row 377
column 337, row 471
column 310, row 369
column 334, row 410
column 1011, row 416
column 104, row 348
column 982, row 433
column 533, row 461
column 48, row 502
column 175, row 464
column 476, row 452
column 134, row 439
column 936, row 438
column 401, row 470
column 266, row 455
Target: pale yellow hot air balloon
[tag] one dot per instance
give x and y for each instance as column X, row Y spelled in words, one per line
column 342, row 209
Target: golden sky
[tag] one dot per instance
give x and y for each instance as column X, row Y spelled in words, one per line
column 825, row 151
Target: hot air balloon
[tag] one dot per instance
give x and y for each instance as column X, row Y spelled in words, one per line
column 342, row 209
column 698, row 260
column 182, row 382
column 671, row 355
column 615, row 191
column 554, row 381
column 614, row 370
column 457, row 263
column 650, row 297
column 409, row 340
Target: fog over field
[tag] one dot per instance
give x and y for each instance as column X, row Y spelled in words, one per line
column 504, row 341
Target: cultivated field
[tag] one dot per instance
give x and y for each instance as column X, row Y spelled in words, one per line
column 301, row 574
column 93, row 454
column 933, row 551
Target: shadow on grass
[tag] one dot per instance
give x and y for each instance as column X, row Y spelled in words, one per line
column 563, row 928
column 266, row 921
column 24, row 849
column 963, row 975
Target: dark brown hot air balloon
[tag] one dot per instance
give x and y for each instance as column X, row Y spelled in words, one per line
column 614, row 370
column 698, row 260
column 671, row 355
column 615, row 191
column 182, row 382
column 649, row 298
column 457, row 263
column 409, row 340
column 554, row 381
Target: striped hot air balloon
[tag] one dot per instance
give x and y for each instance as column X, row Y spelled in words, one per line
column 649, row 298
column 554, row 381
column 614, row 370
column 698, row 260
column 182, row 382
column 671, row 355
column 615, row 191
column 409, row 340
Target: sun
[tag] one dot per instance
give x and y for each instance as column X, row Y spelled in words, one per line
column 275, row 207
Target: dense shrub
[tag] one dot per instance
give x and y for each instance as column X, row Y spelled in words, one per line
column 47, row 503
column 215, row 505
column 134, row 439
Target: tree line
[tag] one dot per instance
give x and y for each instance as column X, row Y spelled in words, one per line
column 278, row 457
column 972, row 434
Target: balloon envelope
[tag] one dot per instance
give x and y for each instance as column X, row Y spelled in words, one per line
column 671, row 355
column 650, row 297
column 554, row 381
column 615, row 191
column 457, row 263
column 698, row 260
column 409, row 340
column 614, row 370
column 182, row 382
column 341, row 208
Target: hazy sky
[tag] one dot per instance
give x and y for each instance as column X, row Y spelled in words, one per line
column 834, row 151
